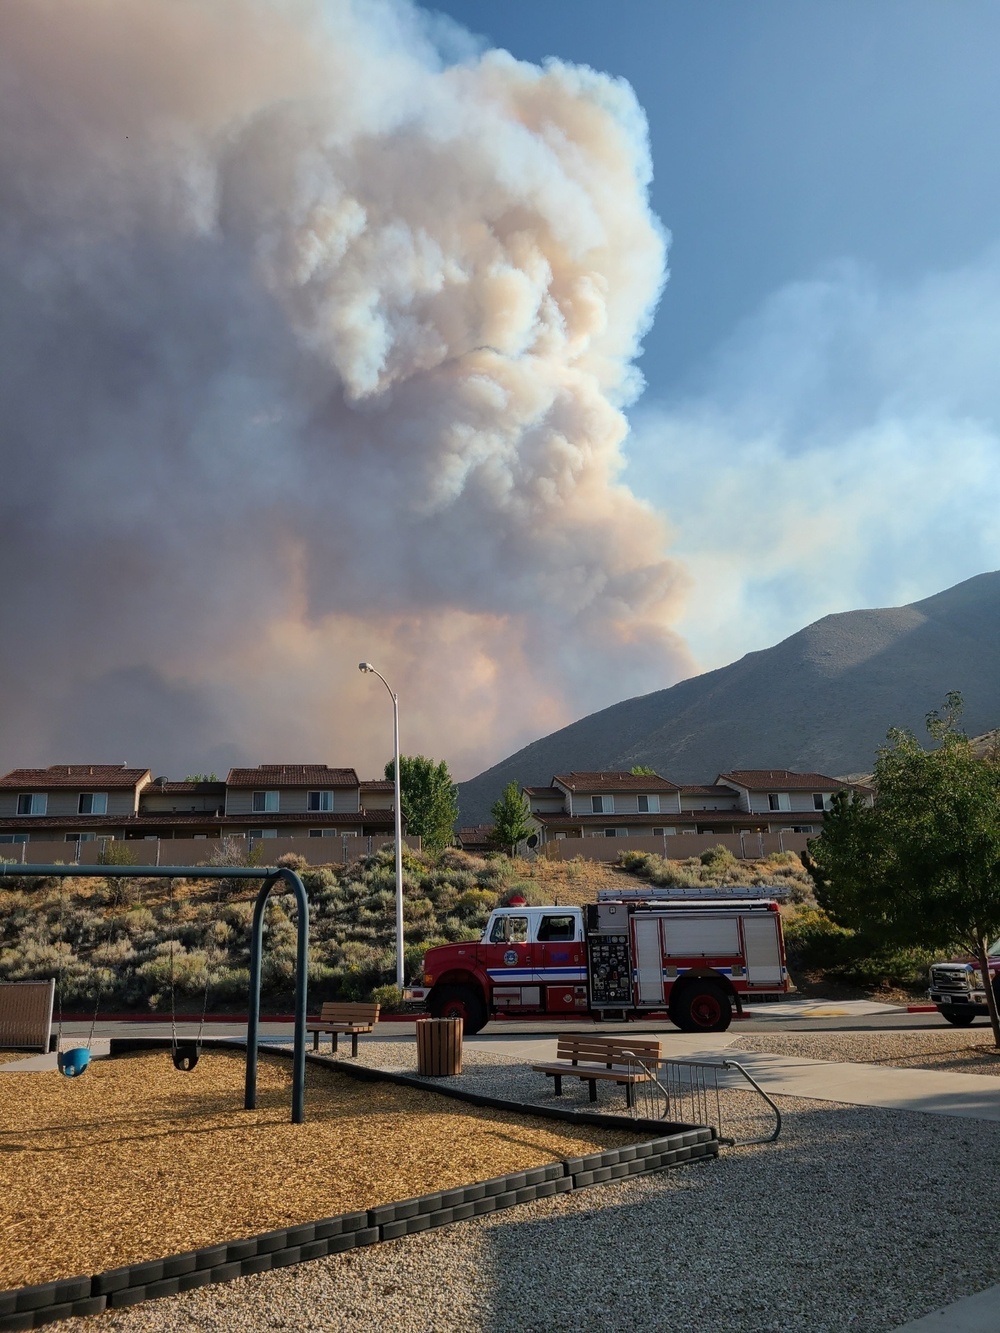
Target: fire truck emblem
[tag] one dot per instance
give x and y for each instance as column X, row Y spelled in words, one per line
column 510, row 957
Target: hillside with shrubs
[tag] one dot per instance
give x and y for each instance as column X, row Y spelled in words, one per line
column 151, row 945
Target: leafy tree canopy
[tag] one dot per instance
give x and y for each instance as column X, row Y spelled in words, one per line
column 428, row 798
column 510, row 819
column 921, row 866
column 643, row 771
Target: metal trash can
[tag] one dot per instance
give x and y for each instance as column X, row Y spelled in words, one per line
column 439, row 1046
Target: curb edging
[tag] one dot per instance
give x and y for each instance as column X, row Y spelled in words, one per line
column 25, row 1308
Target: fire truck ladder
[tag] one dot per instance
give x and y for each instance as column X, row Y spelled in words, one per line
column 702, row 1092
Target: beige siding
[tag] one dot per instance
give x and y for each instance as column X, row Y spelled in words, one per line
column 378, row 800
column 798, row 801
column 291, row 800
column 65, row 802
column 164, row 804
column 239, row 801
column 692, row 803
column 547, row 805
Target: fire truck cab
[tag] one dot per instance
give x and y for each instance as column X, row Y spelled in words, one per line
column 636, row 952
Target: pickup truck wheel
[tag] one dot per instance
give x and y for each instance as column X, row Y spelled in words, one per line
column 460, row 1002
column 958, row 1018
column 703, row 1006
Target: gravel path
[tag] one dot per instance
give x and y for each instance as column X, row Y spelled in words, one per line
column 846, row 1223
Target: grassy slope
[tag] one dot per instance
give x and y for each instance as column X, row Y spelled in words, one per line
column 127, row 950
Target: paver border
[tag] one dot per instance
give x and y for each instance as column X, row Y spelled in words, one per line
column 23, row 1308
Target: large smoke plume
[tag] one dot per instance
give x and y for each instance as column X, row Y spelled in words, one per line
column 314, row 346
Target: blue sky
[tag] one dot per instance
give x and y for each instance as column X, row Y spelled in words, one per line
column 822, row 417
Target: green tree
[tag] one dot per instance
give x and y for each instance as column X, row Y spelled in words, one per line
column 920, row 867
column 511, row 814
column 428, row 798
column 643, row 771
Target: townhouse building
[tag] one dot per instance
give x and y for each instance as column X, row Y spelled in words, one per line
column 78, row 803
column 627, row 805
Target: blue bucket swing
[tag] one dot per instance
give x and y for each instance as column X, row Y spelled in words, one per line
column 74, row 1062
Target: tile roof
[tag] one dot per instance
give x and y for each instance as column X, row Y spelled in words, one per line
column 292, row 775
column 670, row 817
column 614, row 781
column 771, row 779
column 259, row 819
column 75, row 775
column 673, row 819
column 378, row 784
column 555, row 792
column 149, row 819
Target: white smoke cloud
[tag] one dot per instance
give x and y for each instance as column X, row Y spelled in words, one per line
column 316, row 327
column 844, row 451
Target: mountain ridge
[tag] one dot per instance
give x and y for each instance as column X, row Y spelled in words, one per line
column 820, row 700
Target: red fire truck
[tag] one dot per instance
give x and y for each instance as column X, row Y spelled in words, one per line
column 695, row 957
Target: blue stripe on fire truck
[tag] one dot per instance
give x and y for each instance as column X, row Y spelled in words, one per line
column 550, row 974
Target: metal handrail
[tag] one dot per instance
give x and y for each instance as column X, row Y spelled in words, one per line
column 697, row 1092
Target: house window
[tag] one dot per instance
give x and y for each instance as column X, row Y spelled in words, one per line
column 93, row 803
column 819, row 802
column 649, row 805
column 265, row 802
column 33, row 803
column 603, row 805
column 14, row 837
column 778, row 801
column 263, row 833
column 658, row 833
column 802, row 828
column 80, row 837
column 319, row 800
column 315, row 832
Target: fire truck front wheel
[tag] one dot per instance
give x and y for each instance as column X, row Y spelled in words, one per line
column 702, row 1006
column 459, row 1002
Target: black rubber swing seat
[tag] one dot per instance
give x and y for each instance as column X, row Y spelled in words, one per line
column 185, row 1056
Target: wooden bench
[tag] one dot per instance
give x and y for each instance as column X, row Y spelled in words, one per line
column 610, row 1058
column 341, row 1018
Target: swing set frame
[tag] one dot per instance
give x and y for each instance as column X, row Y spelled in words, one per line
column 272, row 876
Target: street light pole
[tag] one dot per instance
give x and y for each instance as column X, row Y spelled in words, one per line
column 397, row 806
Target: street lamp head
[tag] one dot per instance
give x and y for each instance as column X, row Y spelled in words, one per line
column 365, row 666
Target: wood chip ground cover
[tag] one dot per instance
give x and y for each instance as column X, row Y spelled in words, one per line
column 135, row 1160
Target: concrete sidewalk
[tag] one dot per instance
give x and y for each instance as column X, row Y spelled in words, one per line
column 974, row 1096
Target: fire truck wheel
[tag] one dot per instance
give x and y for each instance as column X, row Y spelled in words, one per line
column 460, row 1002
column 958, row 1018
column 703, row 1007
